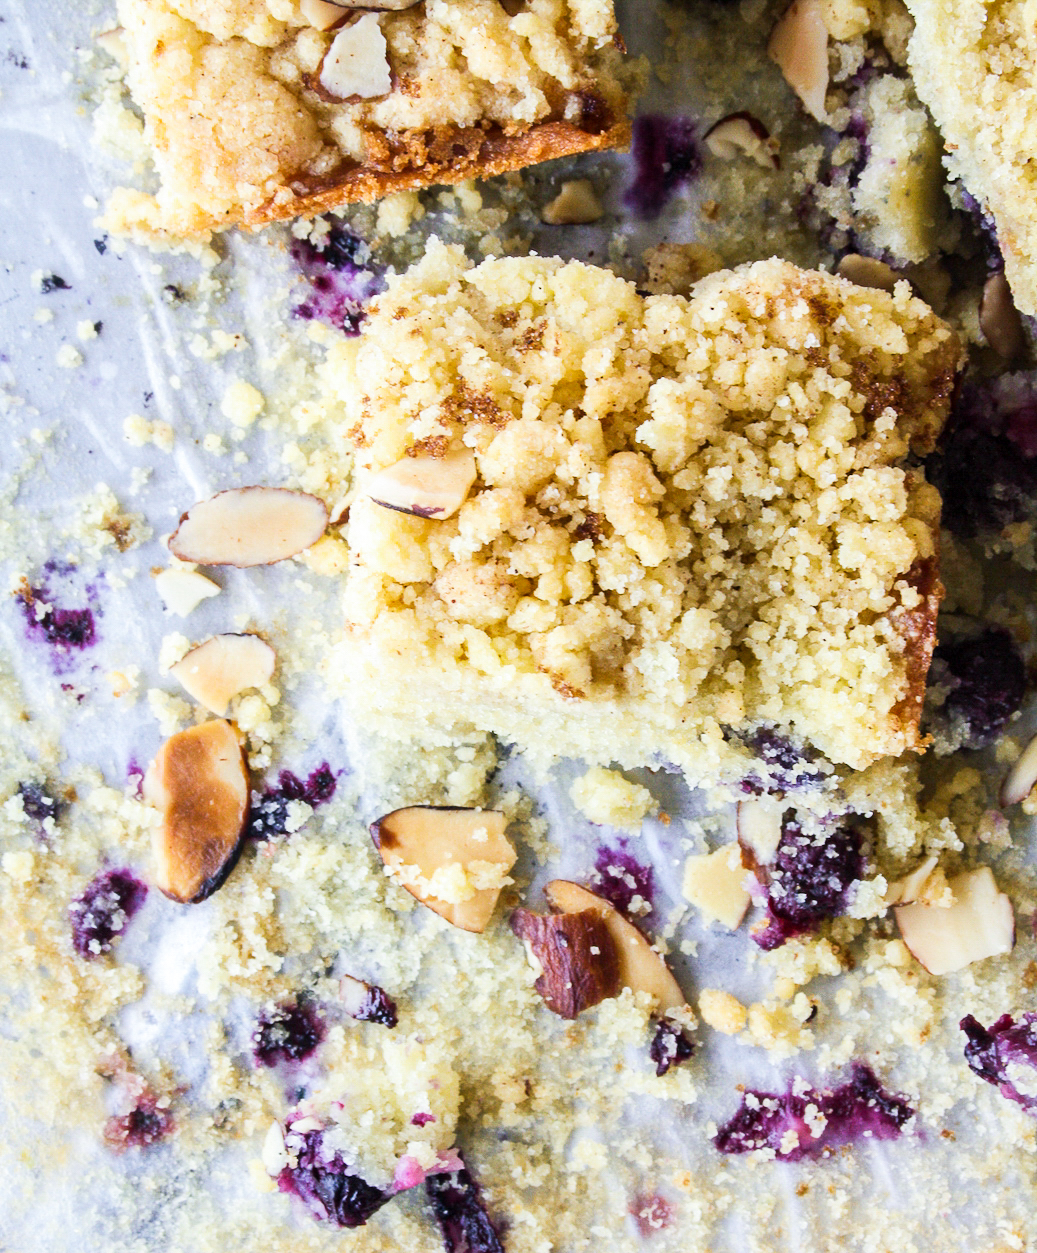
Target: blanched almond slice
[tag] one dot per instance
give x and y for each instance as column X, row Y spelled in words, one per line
column 715, row 884
column 759, row 824
column 576, row 955
column 455, row 861
column 999, row 319
column 742, row 135
column 641, row 968
column 979, row 924
column 323, row 15
column 182, row 591
column 224, row 666
column 867, row 272
column 909, row 889
column 199, row 783
column 357, row 63
column 576, row 203
column 799, row 47
column 1020, row 780
column 249, row 526
column 430, row 487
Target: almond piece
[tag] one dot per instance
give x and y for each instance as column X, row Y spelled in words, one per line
column 867, row 272
column 436, row 852
column 999, row 319
column 576, row 954
column 576, row 204
column 979, row 924
column 366, row 1002
column 1021, row 779
column 641, row 968
column 199, row 783
column 429, row 487
column 182, row 591
column 799, row 47
column 322, row 14
column 742, row 135
column 356, row 65
column 759, row 825
column 222, row 667
column 715, row 884
column 249, row 526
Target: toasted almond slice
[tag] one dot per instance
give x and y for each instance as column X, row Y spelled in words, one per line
column 356, row 65
column 641, row 968
column 909, row 889
column 759, row 825
column 799, row 47
column 182, row 591
column 715, row 884
column 576, row 203
column 199, row 783
column 867, row 272
column 249, row 526
column 979, row 924
column 1021, row 779
column 576, row 956
column 742, row 135
column 224, row 666
column 323, row 15
column 430, row 487
column 999, row 319
column 440, row 854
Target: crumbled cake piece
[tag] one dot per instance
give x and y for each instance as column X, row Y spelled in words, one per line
column 973, row 65
column 692, row 517
column 244, row 129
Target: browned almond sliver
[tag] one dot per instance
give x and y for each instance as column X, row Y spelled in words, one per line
column 199, row 783
column 742, row 134
column 867, row 272
column 576, row 203
column 430, row 487
column 999, row 319
column 980, row 923
column 758, row 822
column 577, row 956
column 249, row 526
column 356, row 65
column 641, row 968
column 222, row 667
column 436, row 852
column 799, row 47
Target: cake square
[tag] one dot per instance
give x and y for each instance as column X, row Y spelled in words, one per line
column 255, row 113
column 680, row 528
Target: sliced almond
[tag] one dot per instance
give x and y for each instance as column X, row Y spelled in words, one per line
column 440, row 855
column 909, row 889
column 366, row 1002
column 715, row 883
column 222, row 667
column 999, row 319
column 182, row 591
column 799, row 47
column 641, row 968
column 1021, row 779
column 979, row 924
column 356, row 65
column 867, row 272
column 249, row 526
column 430, row 487
column 742, row 135
column 199, row 783
column 576, row 957
column 759, row 825
column 322, row 14
column 576, row 204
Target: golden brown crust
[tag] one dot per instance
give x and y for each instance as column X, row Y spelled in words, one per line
column 917, row 628
column 452, row 155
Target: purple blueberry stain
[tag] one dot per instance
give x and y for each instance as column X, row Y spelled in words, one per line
column 422, row 1120
column 1005, row 1054
column 670, row 1047
column 38, row 804
column 341, row 279
column 103, row 910
column 270, row 810
column 378, row 1007
column 621, row 879
column 805, row 1123
column 457, row 1204
column 983, row 682
column 786, row 766
column 666, row 156
column 287, row 1033
column 326, row 1184
column 810, row 879
column 146, row 1124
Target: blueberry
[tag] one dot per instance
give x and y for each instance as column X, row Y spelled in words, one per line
column 324, row 1182
column 666, row 155
column 287, row 1033
column 268, row 815
column 457, row 1204
column 340, row 278
column 378, row 1007
column 103, row 910
column 991, row 1050
column 986, row 676
column 860, row 1108
column 669, row 1047
column 619, row 877
column 37, row 802
column 142, row 1127
column 784, row 766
